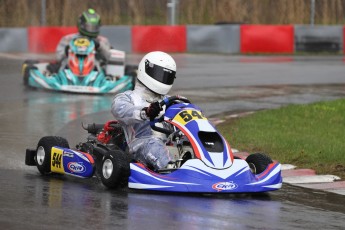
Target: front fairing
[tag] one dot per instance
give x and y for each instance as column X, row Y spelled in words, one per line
column 81, row 56
column 65, row 80
column 81, row 65
column 208, row 145
column 195, row 176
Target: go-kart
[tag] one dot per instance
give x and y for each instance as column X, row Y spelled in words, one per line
column 81, row 72
column 203, row 160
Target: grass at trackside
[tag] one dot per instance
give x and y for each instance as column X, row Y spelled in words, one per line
column 308, row 136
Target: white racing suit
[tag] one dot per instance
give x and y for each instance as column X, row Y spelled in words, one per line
column 146, row 145
column 103, row 52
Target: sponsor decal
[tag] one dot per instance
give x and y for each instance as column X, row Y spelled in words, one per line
column 220, row 186
column 76, row 167
column 68, row 154
column 79, row 88
column 117, row 54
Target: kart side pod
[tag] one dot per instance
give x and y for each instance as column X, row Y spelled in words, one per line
column 62, row 161
column 116, row 63
column 67, row 161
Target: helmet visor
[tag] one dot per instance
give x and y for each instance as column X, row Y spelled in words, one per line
column 91, row 28
column 159, row 73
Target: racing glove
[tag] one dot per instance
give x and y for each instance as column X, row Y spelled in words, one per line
column 153, row 110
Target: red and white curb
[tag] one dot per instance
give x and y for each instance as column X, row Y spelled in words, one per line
column 307, row 178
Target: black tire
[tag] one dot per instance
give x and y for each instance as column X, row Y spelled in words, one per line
column 258, row 162
column 114, row 171
column 43, row 150
column 26, row 73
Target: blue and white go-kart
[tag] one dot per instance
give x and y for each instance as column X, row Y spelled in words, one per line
column 203, row 160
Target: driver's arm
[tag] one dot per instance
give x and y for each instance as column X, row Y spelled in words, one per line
column 104, row 47
column 60, row 49
column 125, row 111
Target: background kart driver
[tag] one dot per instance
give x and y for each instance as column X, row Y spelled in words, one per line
column 89, row 23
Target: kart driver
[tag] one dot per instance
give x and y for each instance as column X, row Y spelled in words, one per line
column 134, row 109
column 89, row 23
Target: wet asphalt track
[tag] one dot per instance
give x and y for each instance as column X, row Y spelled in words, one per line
column 216, row 83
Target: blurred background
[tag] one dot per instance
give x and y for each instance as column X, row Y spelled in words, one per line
column 22, row 13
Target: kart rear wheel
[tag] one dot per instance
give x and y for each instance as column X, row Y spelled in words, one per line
column 43, row 152
column 115, row 169
column 258, row 162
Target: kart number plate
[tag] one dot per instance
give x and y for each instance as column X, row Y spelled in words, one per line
column 56, row 160
column 82, row 42
column 186, row 116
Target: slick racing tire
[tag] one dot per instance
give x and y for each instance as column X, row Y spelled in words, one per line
column 114, row 171
column 27, row 66
column 258, row 162
column 43, row 152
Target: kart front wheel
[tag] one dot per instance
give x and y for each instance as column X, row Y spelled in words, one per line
column 258, row 162
column 115, row 169
column 27, row 66
column 43, row 152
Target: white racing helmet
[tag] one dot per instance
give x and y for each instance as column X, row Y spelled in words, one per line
column 157, row 71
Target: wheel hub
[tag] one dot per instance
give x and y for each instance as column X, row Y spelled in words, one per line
column 40, row 155
column 107, row 168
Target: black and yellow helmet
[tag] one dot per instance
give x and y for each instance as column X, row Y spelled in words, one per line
column 89, row 23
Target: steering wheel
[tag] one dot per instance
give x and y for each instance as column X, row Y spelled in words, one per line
column 170, row 100
column 167, row 102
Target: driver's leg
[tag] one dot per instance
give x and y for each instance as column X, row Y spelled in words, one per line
column 154, row 153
